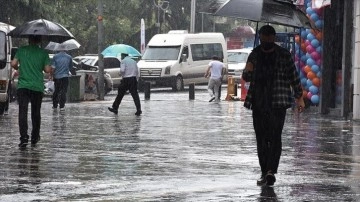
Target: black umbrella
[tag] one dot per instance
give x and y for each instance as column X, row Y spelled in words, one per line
column 282, row 12
column 51, row 31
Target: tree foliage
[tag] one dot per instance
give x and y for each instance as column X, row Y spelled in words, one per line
column 121, row 18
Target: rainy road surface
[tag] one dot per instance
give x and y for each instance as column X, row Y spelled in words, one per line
column 178, row 150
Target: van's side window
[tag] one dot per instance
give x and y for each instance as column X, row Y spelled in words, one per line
column 206, row 51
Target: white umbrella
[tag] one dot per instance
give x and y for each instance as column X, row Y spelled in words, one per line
column 64, row 46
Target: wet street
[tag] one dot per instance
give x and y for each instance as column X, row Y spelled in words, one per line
column 177, row 150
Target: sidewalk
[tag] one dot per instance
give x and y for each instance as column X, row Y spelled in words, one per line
column 177, row 150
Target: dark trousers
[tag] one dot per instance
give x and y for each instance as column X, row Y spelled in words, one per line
column 35, row 98
column 59, row 96
column 268, row 128
column 129, row 83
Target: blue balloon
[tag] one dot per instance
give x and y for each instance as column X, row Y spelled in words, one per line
column 315, row 68
column 314, row 90
column 315, row 99
column 315, row 43
column 318, row 74
column 304, row 58
column 303, row 34
column 303, row 81
column 310, row 62
column 310, row 37
column 309, row 11
column 301, row 74
column 319, row 49
column 319, row 24
column 308, row 83
column 314, row 17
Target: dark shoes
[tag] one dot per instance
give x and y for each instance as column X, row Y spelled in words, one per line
column 138, row 113
column 270, row 179
column 34, row 141
column 113, row 110
column 261, row 181
column 23, row 143
column 266, row 179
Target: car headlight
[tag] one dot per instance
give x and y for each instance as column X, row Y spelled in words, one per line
column 167, row 70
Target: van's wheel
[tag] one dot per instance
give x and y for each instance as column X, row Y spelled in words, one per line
column 178, row 84
column 2, row 107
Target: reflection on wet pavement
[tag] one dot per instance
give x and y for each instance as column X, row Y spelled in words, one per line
column 178, row 150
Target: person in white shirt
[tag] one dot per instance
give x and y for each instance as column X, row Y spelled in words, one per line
column 215, row 72
column 129, row 71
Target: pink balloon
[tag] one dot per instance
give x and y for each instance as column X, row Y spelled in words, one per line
column 315, row 55
column 319, row 62
column 309, row 95
column 310, row 49
column 302, row 64
column 307, row 42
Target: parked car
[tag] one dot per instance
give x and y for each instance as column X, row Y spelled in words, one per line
column 111, row 66
column 236, row 61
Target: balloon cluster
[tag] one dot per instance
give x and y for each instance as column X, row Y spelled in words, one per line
column 308, row 54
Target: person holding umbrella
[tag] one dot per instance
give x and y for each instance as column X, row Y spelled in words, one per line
column 272, row 74
column 62, row 64
column 30, row 61
column 129, row 71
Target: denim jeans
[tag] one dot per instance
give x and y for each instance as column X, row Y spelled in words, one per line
column 35, row 98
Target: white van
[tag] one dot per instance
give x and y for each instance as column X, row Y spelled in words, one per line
column 178, row 58
column 5, row 68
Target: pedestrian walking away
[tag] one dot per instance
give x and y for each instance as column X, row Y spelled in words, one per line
column 272, row 74
column 30, row 61
column 130, row 72
column 61, row 64
column 215, row 72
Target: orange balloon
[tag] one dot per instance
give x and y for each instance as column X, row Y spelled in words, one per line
column 303, row 47
column 319, row 36
column 311, row 75
column 307, row 69
column 297, row 39
column 304, row 94
column 316, row 81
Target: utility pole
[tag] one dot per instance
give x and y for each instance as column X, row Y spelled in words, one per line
column 192, row 20
column 163, row 5
column 100, row 48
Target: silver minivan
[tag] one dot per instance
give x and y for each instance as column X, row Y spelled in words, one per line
column 236, row 61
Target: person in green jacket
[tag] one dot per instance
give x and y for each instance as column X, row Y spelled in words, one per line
column 30, row 61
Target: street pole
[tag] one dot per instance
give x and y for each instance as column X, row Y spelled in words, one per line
column 100, row 48
column 192, row 20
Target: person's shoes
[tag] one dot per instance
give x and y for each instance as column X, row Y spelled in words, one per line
column 6, row 112
column 34, row 141
column 212, row 99
column 23, row 143
column 270, row 179
column 62, row 109
column 113, row 110
column 138, row 113
column 261, row 181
